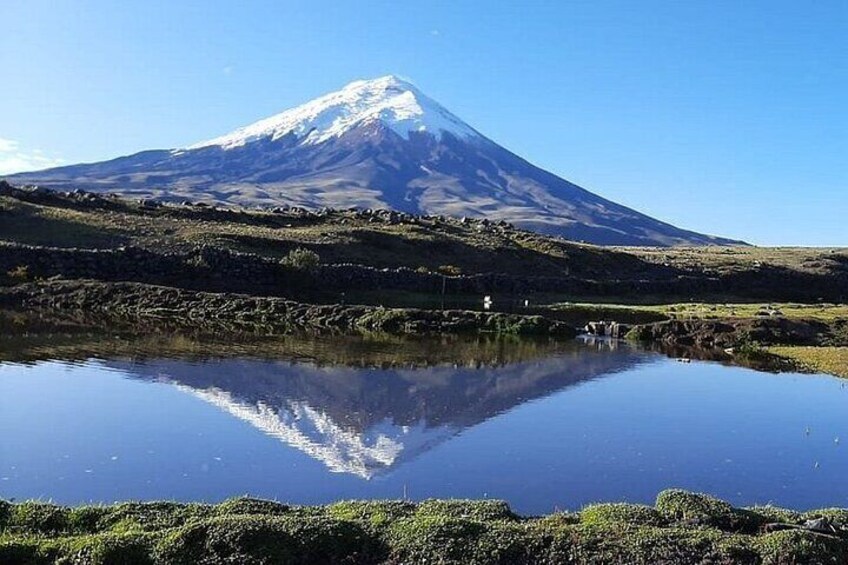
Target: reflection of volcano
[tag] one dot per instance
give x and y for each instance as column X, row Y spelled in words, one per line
column 342, row 450
column 366, row 421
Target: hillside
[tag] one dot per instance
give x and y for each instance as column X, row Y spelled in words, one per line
column 85, row 235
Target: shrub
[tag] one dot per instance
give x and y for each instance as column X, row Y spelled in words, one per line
column 38, row 517
column 512, row 543
column 19, row 274
column 107, row 549
column 620, row 514
column 775, row 515
column 523, row 325
column 435, row 539
column 149, row 516
column 556, row 521
column 481, row 510
column 301, row 259
column 751, row 350
column 24, row 551
column 639, row 333
column 788, row 547
column 655, row 545
column 250, row 539
column 464, row 531
column 5, row 512
column 837, row 516
column 705, row 510
column 372, row 514
column 247, row 505
column 198, row 261
column 554, row 538
column 684, row 529
column 384, row 320
column 86, row 519
column 450, row 270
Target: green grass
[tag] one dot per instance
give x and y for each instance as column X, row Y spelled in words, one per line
column 833, row 360
column 683, row 528
column 732, row 259
column 27, row 224
column 701, row 310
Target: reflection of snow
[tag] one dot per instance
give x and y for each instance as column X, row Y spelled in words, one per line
column 313, row 432
column 366, row 421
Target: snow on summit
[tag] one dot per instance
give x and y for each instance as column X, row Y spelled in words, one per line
column 393, row 101
column 292, row 159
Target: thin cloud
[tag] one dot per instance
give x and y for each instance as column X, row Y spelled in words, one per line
column 13, row 159
column 228, row 70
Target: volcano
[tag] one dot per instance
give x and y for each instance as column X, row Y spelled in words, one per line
column 378, row 143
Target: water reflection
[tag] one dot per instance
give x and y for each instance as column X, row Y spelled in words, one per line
column 360, row 405
column 26, row 338
column 204, row 417
column 365, row 421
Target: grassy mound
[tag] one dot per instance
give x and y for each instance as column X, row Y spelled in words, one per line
column 683, row 528
column 620, row 514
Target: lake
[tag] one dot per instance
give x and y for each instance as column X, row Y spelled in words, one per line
column 543, row 425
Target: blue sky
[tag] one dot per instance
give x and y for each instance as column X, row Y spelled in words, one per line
column 723, row 117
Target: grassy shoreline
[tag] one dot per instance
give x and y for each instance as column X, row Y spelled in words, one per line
column 830, row 360
column 716, row 310
column 681, row 528
column 146, row 306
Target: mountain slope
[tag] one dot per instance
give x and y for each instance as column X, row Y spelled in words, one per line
column 373, row 144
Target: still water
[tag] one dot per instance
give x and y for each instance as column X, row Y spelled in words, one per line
column 551, row 426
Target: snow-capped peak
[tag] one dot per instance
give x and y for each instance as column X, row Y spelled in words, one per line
column 393, row 101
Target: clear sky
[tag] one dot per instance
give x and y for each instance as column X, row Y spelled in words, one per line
column 726, row 117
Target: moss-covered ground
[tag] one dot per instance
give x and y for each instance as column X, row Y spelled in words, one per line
column 682, row 528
